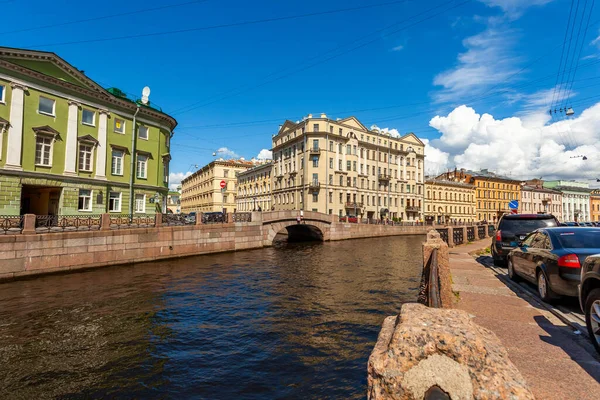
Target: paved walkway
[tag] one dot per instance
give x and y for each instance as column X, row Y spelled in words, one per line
column 556, row 363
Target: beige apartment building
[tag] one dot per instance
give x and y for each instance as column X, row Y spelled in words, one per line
column 254, row 188
column 450, row 200
column 201, row 191
column 535, row 199
column 341, row 167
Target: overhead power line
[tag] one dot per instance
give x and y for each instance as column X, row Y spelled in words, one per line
column 111, row 16
column 220, row 26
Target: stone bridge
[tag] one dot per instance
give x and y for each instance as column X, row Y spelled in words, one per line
column 314, row 225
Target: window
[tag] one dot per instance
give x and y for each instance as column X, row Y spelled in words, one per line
column 140, row 203
column 315, row 197
column 119, row 125
column 315, row 161
column 117, row 162
column 88, row 117
column 316, row 127
column 142, row 166
column 348, row 165
column 315, row 144
column 331, row 163
column 143, row 132
column 348, row 149
column 340, row 165
column 85, row 200
column 354, row 166
column 2, row 91
column 114, row 202
column 43, row 151
column 46, row 106
column 226, row 173
column 85, row 157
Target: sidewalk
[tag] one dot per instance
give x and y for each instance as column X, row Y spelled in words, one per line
column 556, row 363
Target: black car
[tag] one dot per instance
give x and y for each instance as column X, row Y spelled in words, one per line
column 552, row 259
column 589, row 297
column 514, row 227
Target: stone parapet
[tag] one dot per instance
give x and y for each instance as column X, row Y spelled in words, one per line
column 426, row 347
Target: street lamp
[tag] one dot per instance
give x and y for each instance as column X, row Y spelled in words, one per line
column 132, row 171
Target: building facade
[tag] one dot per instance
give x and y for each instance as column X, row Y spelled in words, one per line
column 341, row 167
column 493, row 193
column 254, row 188
column 66, row 142
column 449, row 200
column 201, row 191
column 575, row 198
column 535, row 199
column 595, row 205
column 174, row 202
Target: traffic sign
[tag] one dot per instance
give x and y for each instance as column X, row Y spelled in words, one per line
column 513, row 205
column 514, row 211
column 223, row 184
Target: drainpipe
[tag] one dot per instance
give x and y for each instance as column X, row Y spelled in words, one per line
column 132, row 167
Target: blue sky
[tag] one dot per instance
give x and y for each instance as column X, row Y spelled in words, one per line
column 414, row 62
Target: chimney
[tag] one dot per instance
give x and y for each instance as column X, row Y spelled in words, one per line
column 309, row 116
column 323, row 115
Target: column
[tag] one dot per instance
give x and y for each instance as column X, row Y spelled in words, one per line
column 15, row 130
column 71, row 143
column 101, row 150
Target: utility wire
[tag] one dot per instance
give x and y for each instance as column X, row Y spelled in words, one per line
column 573, row 58
column 79, row 21
column 562, row 55
column 568, row 52
column 220, row 26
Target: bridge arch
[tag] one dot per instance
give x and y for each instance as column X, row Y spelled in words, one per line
column 315, row 225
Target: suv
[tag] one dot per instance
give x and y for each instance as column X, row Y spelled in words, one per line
column 589, row 297
column 512, row 228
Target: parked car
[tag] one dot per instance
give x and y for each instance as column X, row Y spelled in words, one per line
column 571, row 223
column 191, row 218
column 515, row 227
column 212, row 217
column 552, row 259
column 589, row 297
column 351, row 218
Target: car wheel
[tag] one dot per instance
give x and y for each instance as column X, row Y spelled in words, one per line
column 592, row 317
column 511, row 271
column 544, row 290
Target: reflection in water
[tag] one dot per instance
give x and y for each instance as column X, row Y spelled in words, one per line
column 292, row 321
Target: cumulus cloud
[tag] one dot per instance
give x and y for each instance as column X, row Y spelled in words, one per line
column 265, row 154
column 224, row 152
column 390, row 131
column 517, row 147
column 175, row 179
column 436, row 160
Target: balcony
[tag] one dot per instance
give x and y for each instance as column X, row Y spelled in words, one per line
column 384, row 177
column 351, row 204
column 314, row 150
column 314, row 186
column 413, row 209
column 547, row 200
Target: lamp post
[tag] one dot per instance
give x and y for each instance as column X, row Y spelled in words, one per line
column 132, row 170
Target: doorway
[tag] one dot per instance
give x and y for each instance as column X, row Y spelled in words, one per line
column 40, row 200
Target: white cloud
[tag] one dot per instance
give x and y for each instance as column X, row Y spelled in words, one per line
column 224, row 152
column 397, row 48
column 518, row 147
column 265, row 154
column 436, row 161
column 514, row 8
column 175, row 179
column 390, row 131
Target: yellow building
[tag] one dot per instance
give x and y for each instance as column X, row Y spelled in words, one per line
column 449, row 201
column 341, row 167
column 201, row 191
column 493, row 193
column 595, row 205
column 254, row 188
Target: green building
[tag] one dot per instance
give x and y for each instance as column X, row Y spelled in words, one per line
column 66, row 142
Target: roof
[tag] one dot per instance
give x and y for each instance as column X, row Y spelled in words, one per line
column 51, row 68
column 485, row 174
column 571, row 189
column 449, row 183
column 531, row 188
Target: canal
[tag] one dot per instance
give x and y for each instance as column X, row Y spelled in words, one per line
column 297, row 320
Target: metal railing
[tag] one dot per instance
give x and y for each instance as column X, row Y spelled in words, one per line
column 178, row 219
column 481, row 232
column 458, row 236
column 242, row 217
column 443, row 234
column 214, row 218
column 471, row 233
column 129, row 221
column 433, row 292
column 11, row 224
column 67, row 223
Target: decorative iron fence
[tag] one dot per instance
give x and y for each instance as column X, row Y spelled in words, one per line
column 129, row 221
column 178, row 219
column 443, row 234
column 471, row 233
column 11, row 224
column 67, row 223
column 481, row 232
column 242, row 217
column 458, row 236
column 491, row 230
column 214, row 218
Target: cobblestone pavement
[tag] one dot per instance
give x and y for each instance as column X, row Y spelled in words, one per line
column 556, row 361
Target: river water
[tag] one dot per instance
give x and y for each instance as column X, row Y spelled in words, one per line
column 292, row 321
